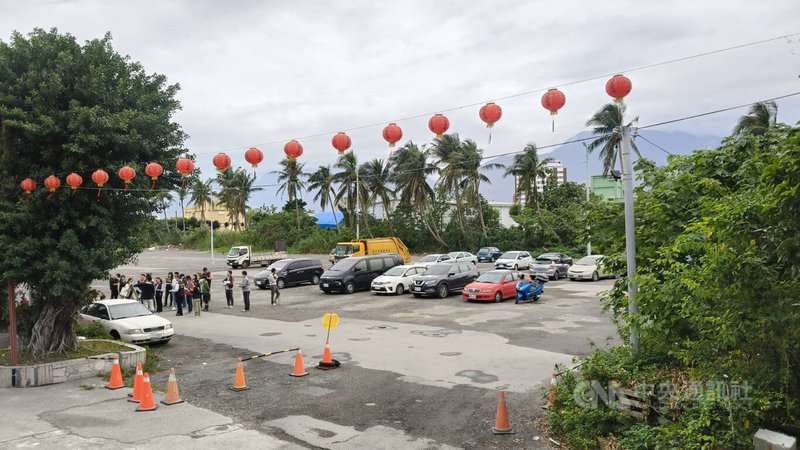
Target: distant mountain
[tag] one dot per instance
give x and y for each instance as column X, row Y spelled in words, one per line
column 573, row 157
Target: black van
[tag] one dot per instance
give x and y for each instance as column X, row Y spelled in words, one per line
column 290, row 272
column 357, row 272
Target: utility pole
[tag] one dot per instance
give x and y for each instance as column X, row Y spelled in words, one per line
column 630, row 231
column 12, row 322
column 588, row 181
column 358, row 208
column 211, row 222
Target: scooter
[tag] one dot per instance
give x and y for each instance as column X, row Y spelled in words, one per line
column 530, row 291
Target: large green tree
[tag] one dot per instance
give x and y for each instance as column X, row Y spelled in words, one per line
column 291, row 182
column 411, row 173
column 758, row 119
column 70, row 107
column 606, row 124
column 320, row 183
column 527, row 168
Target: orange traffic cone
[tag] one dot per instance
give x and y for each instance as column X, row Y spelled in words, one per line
column 172, row 390
column 116, row 376
column 299, row 368
column 327, row 362
column 501, row 425
column 238, row 382
column 137, row 385
column 551, row 397
column 147, row 403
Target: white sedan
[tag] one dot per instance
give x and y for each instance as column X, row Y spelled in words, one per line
column 463, row 257
column 588, row 268
column 433, row 258
column 396, row 280
column 128, row 320
column 513, row 260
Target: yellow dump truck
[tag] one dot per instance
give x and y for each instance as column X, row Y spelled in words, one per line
column 364, row 247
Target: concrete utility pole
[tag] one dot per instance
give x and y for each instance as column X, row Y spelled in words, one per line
column 12, row 322
column 358, row 209
column 588, row 181
column 630, row 231
column 211, row 222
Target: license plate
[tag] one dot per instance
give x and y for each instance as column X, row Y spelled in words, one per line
column 324, row 284
column 472, row 296
column 416, row 289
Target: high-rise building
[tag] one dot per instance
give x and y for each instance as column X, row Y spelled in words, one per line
column 557, row 172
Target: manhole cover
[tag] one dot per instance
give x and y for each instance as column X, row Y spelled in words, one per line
column 382, row 327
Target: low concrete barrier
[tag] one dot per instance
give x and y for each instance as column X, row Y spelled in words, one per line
column 72, row 369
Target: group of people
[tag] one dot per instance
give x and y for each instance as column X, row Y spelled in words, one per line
column 180, row 291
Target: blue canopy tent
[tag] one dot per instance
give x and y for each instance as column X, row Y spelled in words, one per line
column 326, row 219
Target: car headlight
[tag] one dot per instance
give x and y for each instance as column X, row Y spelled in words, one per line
column 430, row 283
column 134, row 331
column 486, row 291
column 168, row 326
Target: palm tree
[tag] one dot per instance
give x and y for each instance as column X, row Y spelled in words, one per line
column 200, row 195
column 291, row 183
column 376, row 177
column 237, row 187
column 473, row 176
column 364, row 197
column 163, row 199
column 607, row 126
column 321, row 182
column 182, row 193
column 412, row 170
column 450, row 158
column 761, row 116
column 348, row 163
column 527, row 168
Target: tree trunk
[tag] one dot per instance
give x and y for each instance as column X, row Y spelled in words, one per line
column 388, row 218
column 53, row 331
column 480, row 207
column 333, row 211
column 431, row 230
column 183, row 217
column 297, row 212
column 366, row 221
column 458, row 214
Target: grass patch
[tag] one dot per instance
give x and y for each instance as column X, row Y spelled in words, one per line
column 84, row 349
column 86, row 387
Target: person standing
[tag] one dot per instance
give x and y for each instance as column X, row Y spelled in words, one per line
column 208, row 276
column 113, row 284
column 274, row 292
column 245, row 285
column 146, row 290
column 188, row 288
column 205, row 291
column 168, row 292
column 228, row 283
column 178, row 295
column 159, row 287
column 197, row 295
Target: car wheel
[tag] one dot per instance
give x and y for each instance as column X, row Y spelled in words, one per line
column 536, row 298
column 595, row 276
column 498, row 297
column 516, row 301
column 400, row 289
column 281, row 283
column 556, row 275
column 442, row 290
column 315, row 279
column 245, row 265
column 114, row 334
column 349, row 288
column 516, row 266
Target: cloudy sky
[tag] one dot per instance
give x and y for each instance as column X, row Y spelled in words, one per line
column 258, row 73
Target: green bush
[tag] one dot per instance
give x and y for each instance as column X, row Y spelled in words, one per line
column 94, row 330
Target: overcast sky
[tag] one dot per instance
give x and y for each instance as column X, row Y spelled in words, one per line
column 262, row 72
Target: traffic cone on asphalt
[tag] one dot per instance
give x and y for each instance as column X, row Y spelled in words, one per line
column 501, row 424
column 147, row 403
column 551, row 397
column 299, row 367
column 172, row 390
column 328, row 362
column 137, row 385
column 238, row 382
column 116, row 375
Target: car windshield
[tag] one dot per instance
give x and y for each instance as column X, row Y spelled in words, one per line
column 453, row 254
column 509, row 255
column 429, row 258
column 343, row 265
column 485, row 250
column 396, row 271
column 438, row 269
column 278, row 265
column 234, row 251
column 128, row 310
column 490, row 277
column 586, row 261
column 543, row 261
column 343, row 250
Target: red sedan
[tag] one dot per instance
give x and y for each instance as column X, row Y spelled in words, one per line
column 494, row 285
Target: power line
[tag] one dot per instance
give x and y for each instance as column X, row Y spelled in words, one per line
column 654, row 145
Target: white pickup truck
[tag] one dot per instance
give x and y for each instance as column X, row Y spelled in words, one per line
column 242, row 257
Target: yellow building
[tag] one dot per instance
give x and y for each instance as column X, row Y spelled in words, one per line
column 220, row 214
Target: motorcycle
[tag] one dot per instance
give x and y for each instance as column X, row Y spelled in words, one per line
column 530, row 291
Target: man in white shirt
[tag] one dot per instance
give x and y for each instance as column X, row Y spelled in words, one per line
column 274, row 293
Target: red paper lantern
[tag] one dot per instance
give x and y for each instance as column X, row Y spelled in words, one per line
column 74, row 180
column 28, row 185
column 254, row 156
column 153, row 170
column 293, row 150
column 392, row 133
column 52, row 183
column 100, row 177
column 341, row 142
column 618, row 87
column 490, row 113
column 222, row 162
column 553, row 100
column 185, row 166
column 438, row 124
column 127, row 173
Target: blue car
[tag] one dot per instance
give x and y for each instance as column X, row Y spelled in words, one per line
column 489, row 254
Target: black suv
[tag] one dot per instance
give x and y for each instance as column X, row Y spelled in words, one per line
column 357, row 272
column 442, row 279
column 290, row 272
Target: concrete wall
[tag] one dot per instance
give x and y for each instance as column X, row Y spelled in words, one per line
column 73, row 369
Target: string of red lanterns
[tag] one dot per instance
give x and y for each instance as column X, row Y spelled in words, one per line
column 618, row 87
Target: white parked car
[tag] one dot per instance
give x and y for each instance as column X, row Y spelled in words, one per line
column 588, row 268
column 128, row 320
column 396, row 280
column 463, row 257
column 433, row 258
column 513, row 260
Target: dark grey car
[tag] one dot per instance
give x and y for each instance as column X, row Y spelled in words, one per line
column 554, row 265
column 442, row 279
column 290, row 272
